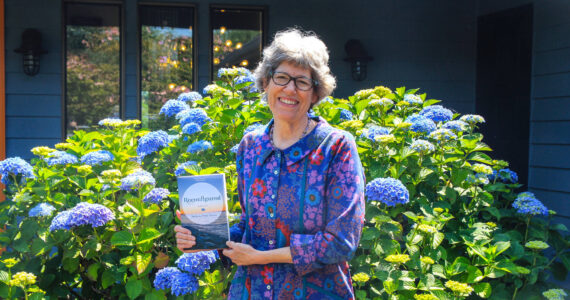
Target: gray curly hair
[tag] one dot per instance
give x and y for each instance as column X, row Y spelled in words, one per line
column 304, row 49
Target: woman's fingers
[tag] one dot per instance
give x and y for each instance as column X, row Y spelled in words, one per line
column 178, row 214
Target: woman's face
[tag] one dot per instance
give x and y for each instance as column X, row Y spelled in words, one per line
column 287, row 103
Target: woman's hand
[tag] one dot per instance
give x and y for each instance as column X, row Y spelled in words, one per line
column 184, row 238
column 242, row 254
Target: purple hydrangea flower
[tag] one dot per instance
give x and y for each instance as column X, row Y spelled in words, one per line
column 180, row 170
column 437, row 113
column 156, row 195
column 151, row 142
column 60, row 158
column 196, row 263
column 199, row 146
column 137, row 180
column 41, row 210
column 83, row 213
column 97, row 157
column 172, row 107
column 389, row 191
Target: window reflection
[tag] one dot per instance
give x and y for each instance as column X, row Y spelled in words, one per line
column 166, row 58
column 93, row 68
column 237, row 38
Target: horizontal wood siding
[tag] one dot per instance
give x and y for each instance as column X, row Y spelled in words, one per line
column 549, row 173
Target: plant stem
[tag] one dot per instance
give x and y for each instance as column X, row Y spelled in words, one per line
column 526, row 230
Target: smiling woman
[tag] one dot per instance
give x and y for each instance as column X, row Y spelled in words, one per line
column 300, row 185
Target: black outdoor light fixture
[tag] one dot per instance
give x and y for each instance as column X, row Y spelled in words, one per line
column 31, row 49
column 357, row 56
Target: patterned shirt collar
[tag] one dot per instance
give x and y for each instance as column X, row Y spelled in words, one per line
column 302, row 147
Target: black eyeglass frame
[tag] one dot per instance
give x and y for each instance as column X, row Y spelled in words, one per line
column 315, row 83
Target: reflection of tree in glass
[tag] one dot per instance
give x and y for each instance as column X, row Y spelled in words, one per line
column 234, row 46
column 93, row 64
column 166, row 69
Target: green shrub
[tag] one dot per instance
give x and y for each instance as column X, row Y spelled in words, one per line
column 443, row 227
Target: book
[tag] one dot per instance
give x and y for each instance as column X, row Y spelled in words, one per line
column 204, row 209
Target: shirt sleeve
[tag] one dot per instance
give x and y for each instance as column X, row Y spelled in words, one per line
column 344, row 211
column 237, row 230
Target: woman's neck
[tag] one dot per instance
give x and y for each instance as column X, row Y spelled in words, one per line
column 286, row 134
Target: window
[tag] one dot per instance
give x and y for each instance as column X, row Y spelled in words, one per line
column 167, row 58
column 237, row 36
column 92, row 64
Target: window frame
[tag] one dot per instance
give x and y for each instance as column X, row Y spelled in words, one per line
column 264, row 26
column 122, row 24
column 139, row 46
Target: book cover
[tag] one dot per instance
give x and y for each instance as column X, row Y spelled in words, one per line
column 204, row 209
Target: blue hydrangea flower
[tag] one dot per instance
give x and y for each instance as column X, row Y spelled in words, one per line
column 15, row 166
column 527, row 204
column 137, row 180
column 422, row 146
column 172, row 107
column 180, row 170
column 151, row 142
column 234, row 149
column 437, row 113
column 442, row 134
column 504, row 175
column 61, row 221
column 172, row 137
column 375, row 131
column 196, row 263
column 60, row 158
column 456, row 125
column 389, row 191
column 199, row 146
column 97, row 157
column 156, row 195
column 41, row 210
column 420, row 123
column 345, row 114
column 472, row 119
column 253, row 127
column 191, row 128
column 189, row 96
column 83, row 213
column 183, row 284
column 413, row 99
column 193, row 115
column 164, row 278
column 232, row 72
column 245, row 79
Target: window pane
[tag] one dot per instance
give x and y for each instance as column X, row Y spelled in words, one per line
column 166, row 58
column 237, row 37
column 93, row 64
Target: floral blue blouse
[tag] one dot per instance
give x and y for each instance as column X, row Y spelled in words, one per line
column 309, row 197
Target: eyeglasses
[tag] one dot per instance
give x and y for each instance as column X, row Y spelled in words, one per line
column 302, row 83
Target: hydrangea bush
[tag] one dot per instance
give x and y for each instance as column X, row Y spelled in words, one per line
column 94, row 217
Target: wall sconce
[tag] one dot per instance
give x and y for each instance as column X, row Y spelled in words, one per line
column 357, row 56
column 31, row 49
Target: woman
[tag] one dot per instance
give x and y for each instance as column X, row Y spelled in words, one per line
column 300, row 186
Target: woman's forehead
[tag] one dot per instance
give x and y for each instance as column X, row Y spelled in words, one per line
column 293, row 69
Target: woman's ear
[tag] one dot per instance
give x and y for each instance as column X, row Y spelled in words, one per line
column 265, row 83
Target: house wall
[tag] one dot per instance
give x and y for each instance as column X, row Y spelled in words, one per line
column 549, row 170
column 427, row 44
